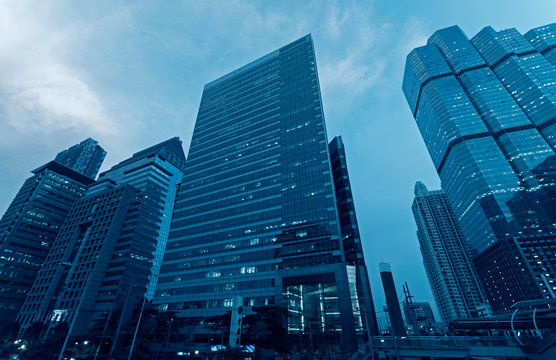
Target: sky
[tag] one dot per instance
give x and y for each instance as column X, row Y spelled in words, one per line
column 130, row 74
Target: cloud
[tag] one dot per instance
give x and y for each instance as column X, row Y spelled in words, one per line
column 414, row 35
column 354, row 61
column 336, row 20
column 42, row 95
column 349, row 76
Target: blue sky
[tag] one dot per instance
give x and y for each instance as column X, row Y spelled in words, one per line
column 131, row 73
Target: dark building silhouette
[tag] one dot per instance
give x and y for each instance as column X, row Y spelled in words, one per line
column 394, row 312
column 485, row 109
column 419, row 315
column 31, row 224
column 103, row 260
column 85, row 157
column 353, row 248
column 256, row 213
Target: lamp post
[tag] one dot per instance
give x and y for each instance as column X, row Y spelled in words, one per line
column 60, row 357
column 137, row 327
column 138, row 323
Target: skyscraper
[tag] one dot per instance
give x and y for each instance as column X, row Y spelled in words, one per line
column 351, row 238
column 256, row 213
column 393, row 305
column 486, row 110
column 445, row 251
column 108, row 250
column 156, row 171
column 85, row 157
column 30, row 225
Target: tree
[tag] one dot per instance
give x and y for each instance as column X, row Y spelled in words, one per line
column 265, row 328
column 80, row 349
column 220, row 325
column 8, row 332
column 34, row 331
column 48, row 348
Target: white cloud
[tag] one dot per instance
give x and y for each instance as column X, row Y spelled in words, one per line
column 414, row 35
column 336, row 20
column 42, row 95
column 352, row 61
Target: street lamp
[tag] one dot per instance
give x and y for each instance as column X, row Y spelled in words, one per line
column 137, row 327
column 76, row 310
column 138, row 323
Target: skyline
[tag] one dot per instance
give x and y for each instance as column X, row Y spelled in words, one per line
column 35, row 103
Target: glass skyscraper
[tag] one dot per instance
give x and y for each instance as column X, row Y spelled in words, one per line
column 486, row 109
column 451, row 274
column 353, row 248
column 33, row 220
column 256, row 212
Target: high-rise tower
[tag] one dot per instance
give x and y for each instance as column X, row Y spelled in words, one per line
column 30, row 225
column 445, row 251
column 353, row 248
column 486, row 109
column 85, row 157
column 107, row 252
column 256, row 212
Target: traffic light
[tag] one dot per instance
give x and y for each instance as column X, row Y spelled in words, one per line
column 236, row 321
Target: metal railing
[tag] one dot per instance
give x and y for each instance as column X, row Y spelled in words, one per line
column 429, row 343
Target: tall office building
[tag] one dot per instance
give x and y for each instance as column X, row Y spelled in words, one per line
column 157, row 172
column 106, row 255
column 256, row 213
column 445, row 251
column 85, row 157
column 393, row 305
column 29, row 227
column 486, row 110
column 353, row 247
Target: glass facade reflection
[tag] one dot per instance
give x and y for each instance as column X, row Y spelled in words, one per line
column 256, row 212
column 486, row 108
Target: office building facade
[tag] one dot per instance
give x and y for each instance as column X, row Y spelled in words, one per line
column 451, row 273
column 31, row 224
column 543, row 39
column 256, row 213
column 486, row 110
column 156, row 171
column 103, row 261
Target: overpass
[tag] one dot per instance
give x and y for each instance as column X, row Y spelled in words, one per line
column 454, row 347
